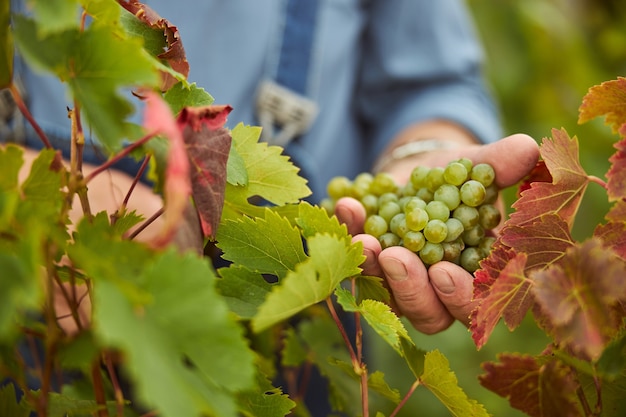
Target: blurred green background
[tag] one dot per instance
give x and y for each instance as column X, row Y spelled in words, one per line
column 542, row 57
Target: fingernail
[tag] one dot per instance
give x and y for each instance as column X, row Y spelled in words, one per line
column 395, row 269
column 344, row 215
column 441, row 280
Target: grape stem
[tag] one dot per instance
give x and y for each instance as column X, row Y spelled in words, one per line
column 597, row 180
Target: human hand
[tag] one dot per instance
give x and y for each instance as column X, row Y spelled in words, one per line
column 432, row 299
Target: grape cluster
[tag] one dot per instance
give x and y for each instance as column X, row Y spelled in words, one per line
column 442, row 213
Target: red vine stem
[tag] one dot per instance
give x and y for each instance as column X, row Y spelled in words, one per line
column 344, row 335
column 118, row 157
column 405, row 399
column 147, row 223
column 98, row 388
column 597, row 180
column 119, row 395
column 22, row 106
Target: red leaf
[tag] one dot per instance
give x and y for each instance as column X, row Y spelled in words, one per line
column 539, row 390
column 175, row 52
column 563, row 195
column 208, row 145
column 508, row 296
column 608, row 98
column 579, row 295
column 613, row 233
column 539, row 173
column 544, row 241
column 177, row 189
column 616, row 187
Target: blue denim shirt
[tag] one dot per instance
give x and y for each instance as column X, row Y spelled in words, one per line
column 376, row 66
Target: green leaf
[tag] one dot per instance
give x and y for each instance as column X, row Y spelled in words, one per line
column 442, row 382
column 181, row 95
column 11, row 159
column 6, row 45
column 294, row 352
column 313, row 220
column 269, row 245
column 372, row 287
column 96, row 64
column 55, row 15
column 186, row 354
column 313, row 280
column 8, row 403
column 266, row 401
column 376, row 382
column 242, row 289
column 236, row 173
column 271, row 175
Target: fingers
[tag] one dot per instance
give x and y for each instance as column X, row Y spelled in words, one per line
column 352, row 213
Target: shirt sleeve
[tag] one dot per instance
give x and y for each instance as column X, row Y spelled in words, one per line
column 423, row 60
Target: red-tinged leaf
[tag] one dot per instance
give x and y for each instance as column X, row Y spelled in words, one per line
column 509, row 298
column 539, row 390
column 177, row 189
column 208, row 145
column 613, row 235
column 578, row 297
column 616, row 176
column 607, row 99
column 174, row 55
column 490, row 269
column 564, row 194
column 544, row 241
column 539, row 173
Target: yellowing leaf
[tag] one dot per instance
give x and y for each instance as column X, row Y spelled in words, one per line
column 607, row 99
column 442, row 382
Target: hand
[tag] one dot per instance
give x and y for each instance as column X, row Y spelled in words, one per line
column 433, row 299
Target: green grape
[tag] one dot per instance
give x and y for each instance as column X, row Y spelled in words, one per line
column 388, row 210
column 489, row 216
column 413, row 241
column 472, row 236
column 375, row 225
column 386, row 197
column 491, row 194
column 363, row 180
column 452, row 250
column 467, row 215
column 338, row 187
column 418, row 176
column 397, row 225
column 437, row 210
column 425, row 194
column 483, row 173
column 455, row 229
column 431, row 253
column 434, row 179
column 486, row 243
column 383, row 183
column 370, row 202
column 328, row 204
column 416, row 219
column 472, row 193
column 414, row 202
column 470, row 259
column 435, row 231
column 455, row 173
column 467, row 163
column 448, row 194
column 407, row 190
column 388, row 240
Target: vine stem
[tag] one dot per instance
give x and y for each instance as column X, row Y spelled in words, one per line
column 98, row 388
column 119, row 395
column 597, row 180
column 117, row 157
column 19, row 102
column 406, row 398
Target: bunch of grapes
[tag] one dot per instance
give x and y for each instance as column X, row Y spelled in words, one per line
column 442, row 213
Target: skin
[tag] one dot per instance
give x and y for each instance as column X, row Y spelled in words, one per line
column 433, row 299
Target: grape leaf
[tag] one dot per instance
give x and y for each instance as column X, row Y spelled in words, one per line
column 242, row 289
column 312, row 281
column 269, row 245
column 180, row 96
column 579, row 296
column 266, row 401
column 55, row 15
column 539, row 390
column 6, row 45
column 174, row 54
column 442, row 382
column 95, row 63
column 208, row 145
column 613, row 235
column 11, row 159
column 314, row 219
column 185, row 322
column 8, row 402
column 271, row 175
column 544, row 241
column 609, row 99
column 616, row 176
column 564, row 194
column 508, row 296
